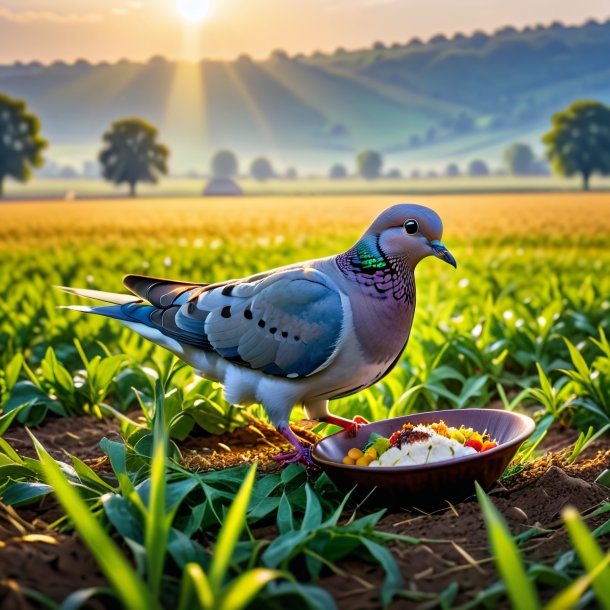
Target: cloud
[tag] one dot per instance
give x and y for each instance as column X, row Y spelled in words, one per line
column 48, row 16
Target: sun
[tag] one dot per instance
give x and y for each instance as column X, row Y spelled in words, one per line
column 193, row 11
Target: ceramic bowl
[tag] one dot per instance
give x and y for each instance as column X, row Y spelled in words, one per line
column 428, row 484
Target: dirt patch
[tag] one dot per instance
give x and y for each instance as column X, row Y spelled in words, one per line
column 34, row 557
column 79, row 436
column 257, row 441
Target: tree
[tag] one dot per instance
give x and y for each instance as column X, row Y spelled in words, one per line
column 261, row 169
column 519, row 158
column 21, row 144
column 224, row 164
column 452, row 170
column 478, row 168
column 132, row 154
column 579, row 142
column 337, row 172
column 369, row 164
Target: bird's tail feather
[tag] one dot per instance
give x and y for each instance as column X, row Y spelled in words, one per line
column 98, row 295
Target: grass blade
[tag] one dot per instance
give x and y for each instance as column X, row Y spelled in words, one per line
column 195, row 583
column 129, row 588
column 508, row 560
column 590, row 554
column 245, row 587
column 234, row 522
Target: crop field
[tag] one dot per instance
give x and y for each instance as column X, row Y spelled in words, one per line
column 97, row 510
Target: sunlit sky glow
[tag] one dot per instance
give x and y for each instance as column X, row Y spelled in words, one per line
column 138, row 29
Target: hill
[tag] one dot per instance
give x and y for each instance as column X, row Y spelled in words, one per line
column 422, row 104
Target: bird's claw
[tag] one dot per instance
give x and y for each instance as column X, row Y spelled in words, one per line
column 299, row 456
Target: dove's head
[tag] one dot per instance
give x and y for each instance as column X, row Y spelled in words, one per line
column 411, row 232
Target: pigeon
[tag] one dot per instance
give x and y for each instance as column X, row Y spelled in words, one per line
column 303, row 334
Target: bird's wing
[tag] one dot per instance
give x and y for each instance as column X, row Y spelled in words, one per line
column 289, row 323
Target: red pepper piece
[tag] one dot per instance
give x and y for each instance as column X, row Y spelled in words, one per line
column 474, row 443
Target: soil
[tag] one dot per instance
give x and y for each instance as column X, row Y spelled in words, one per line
column 33, row 556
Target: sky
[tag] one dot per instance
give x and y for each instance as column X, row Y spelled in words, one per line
column 46, row 30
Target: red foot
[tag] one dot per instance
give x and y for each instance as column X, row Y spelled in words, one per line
column 352, row 426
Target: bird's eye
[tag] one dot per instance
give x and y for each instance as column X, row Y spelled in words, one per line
column 411, row 227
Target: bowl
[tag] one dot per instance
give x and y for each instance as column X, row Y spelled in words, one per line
column 425, row 485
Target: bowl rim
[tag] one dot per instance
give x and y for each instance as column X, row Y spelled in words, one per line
column 518, row 440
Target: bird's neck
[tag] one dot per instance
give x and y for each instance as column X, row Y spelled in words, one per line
column 379, row 276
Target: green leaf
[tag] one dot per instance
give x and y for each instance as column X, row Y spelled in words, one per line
column 195, row 584
column 604, row 478
column 228, row 536
column 6, row 419
column 130, row 589
column 589, row 553
column 508, row 561
column 283, row 548
column 313, row 511
column 393, row 581
column 16, row 494
column 245, row 587
column 285, row 522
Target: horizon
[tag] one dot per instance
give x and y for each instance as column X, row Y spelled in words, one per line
column 196, row 30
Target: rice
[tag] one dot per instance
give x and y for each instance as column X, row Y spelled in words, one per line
column 434, row 448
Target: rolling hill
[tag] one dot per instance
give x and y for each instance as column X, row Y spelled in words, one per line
column 421, row 104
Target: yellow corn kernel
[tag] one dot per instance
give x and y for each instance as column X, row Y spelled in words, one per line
column 456, row 435
column 349, row 460
column 371, row 451
column 365, row 460
column 354, row 453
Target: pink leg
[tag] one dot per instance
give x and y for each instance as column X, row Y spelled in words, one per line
column 301, row 454
column 352, row 425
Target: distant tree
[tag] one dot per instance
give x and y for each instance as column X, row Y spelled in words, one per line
column 396, row 45
column 394, row 174
column 279, row 54
column 439, row 38
column 579, row 142
column 337, row 172
column 261, row 169
column 431, row 173
column 291, row 174
column 21, row 144
column 378, row 46
column 340, row 51
column 519, row 158
column 459, row 37
column 452, row 170
column 431, row 134
column 478, row 168
column 369, row 164
column 507, row 30
column 68, row 172
column 224, row 164
column 132, row 154
column 244, row 58
column 415, row 173
column 415, row 42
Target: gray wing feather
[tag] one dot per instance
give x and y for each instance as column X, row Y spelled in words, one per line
column 288, row 323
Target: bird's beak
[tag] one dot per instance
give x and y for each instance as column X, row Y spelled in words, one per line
column 441, row 251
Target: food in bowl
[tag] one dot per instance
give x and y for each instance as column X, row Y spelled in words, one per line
column 420, row 444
